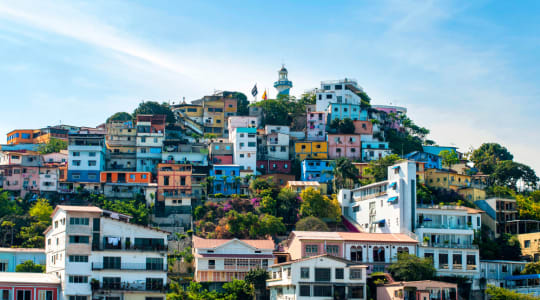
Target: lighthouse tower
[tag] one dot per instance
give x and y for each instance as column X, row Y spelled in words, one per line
column 283, row 85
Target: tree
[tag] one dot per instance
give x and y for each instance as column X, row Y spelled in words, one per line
column 499, row 293
column 154, row 108
column 9, row 230
column 120, row 116
column 345, row 173
column 288, row 204
column 238, row 289
column 30, row 267
column 8, row 206
column 344, row 126
column 311, row 223
column 257, row 278
column 54, row 145
column 529, row 206
column 531, row 268
column 409, row 267
column 379, row 168
column 316, row 204
column 508, row 173
column 449, row 158
column 134, row 207
column 275, row 112
column 242, row 103
column 488, row 156
column 41, row 210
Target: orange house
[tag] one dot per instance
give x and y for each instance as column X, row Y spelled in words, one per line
column 174, row 180
column 125, row 177
column 22, row 136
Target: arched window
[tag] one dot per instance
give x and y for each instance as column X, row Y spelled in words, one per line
column 356, row 253
column 402, row 250
column 378, row 254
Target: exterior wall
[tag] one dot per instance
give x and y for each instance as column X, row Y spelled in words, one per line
column 431, row 161
column 495, row 271
column 447, row 180
column 330, row 94
column 374, row 150
column 279, row 179
column 363, row 127
column 274, row 166
column 11, row 258
column 277, row 146
column 241, row 121
column 472, row 194
column 245, row 147
column 224, row 181
column 342, row 111
column 174, row 181
column 48, row 179
column 530, row 245
column 222, row 159
column 129, row 177
column 316, row 126
column 311, row 149
column 21, row 136
column 343, row 145
column 317, row 170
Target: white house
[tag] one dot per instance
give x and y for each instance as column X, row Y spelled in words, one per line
column 98, row 254
column 241, row 121
column 496, row 271
column 337, row 91
column 244, row 141
column 221, row 260
column 317, row 277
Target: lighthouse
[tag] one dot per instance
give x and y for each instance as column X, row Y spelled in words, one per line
column 283, row 85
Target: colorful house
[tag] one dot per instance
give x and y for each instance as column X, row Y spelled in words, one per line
column 316, row 125
column 436, row 150
column 425, row 289
column 274, row 166
column 342, row 111
column 174, row 189
column 311, row 149
column 150, row 136
column 430, row 160
column 226, row 179
column 221, row 153
column 125, row 184
column 86, row 157
column 27, row 286
column 10, row 258
column 344, row 145
column 317, row 170
column 121, row 146
column 363, row 127
column 300, row 186
column 374, row 150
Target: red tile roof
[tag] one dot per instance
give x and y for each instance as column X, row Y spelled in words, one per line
column 377, row 237
column 199, row 242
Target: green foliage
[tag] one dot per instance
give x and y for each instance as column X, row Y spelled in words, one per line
column 257, row 279
column 505, row 247
column 242, row 103
column 344, row 126
column 8, row 206
column 53, row 146
column 378, row 169
column 41, row 210
column 500, row 191
column 529, row 206
column 32, row 235
column 120, row 116
column 311, row 223
column 275, row 112
column 288, row 205
column 238, row 289
column 402, row 142
column 449, row 158
column 409, row 267
column 30, row 267
column 498, row 293
column 154, row 108
column 488, row 156
column 134, row 207
column 423, row 193
column 345, row 173
column 318, row 205
column 508, row 173
column 531, row 268
column 414, row 129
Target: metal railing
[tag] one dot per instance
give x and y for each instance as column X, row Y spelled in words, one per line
column 132, row 286
column 129, row 266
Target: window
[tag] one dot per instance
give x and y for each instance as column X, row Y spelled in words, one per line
column 355, row 273
column 76, row 153
column 153, row 284
column 339, row 273
column 79, row 221
column 356, row 208
column 78, row 279
column 304, row 273
column 112, row 262
column 154, row 263
column 78, row 258
column 91, row 154
column 322, row 290
column 92, row 163
column 241, row 155
column 305, row 290
column 356, row 253
column 24, row 295
column 76, row 162
column 527, row 244
column 312, row 250
column 45, row 295
column 211, row 264
column 328, row 96
column 356, row 292
column 332, row 249
column 378, row 254
column 3, row 266
column 78, row 239
column 443, row 260
column 78, row 297
column 111, row 282
column 322, row 274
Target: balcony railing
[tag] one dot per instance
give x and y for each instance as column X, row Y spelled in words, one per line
column 107, row 247
column 129, row 266
column 132, row 286
column 442, row 226
column 453, row 245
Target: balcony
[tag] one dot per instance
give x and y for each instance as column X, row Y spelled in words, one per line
column 442, row 226
column 140, row 285
column 129, row 266
column 119, row 247
column 452, row 245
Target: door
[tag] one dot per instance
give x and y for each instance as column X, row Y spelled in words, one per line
column 339, row 293
column 24, row 295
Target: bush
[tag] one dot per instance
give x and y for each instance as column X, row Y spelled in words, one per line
column 311, row 224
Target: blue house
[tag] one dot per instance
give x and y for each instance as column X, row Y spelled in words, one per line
column 12, row 257
column 437, row 149
column 317, row 170
column 345, row 110
column 224, row 181
column 431, row 161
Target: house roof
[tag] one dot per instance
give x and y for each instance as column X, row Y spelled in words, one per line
column 199, row 242
column 423, row 284
column 316, row 235
column 26, row 250
column 377, row 237
column 29, row 278
column 303, row 183
column 73, row 208
column 348, row 262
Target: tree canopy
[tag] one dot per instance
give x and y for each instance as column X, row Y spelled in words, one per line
column 499, row 293
column 311, row 223
column 409, row 267
column 488, row 156
column 531, row 268
column 379, row 168
column 120, row 116
column 449, row 158
column 242, row 103
column 54, row 145
column 30, row 267
column 154, row 108
column 344, row 126
column 345, row 174
column 318, row 205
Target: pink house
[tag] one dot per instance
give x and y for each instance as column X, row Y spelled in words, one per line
column 377, row 250
column 363, row 127
column 344, row 145
column 316, row 125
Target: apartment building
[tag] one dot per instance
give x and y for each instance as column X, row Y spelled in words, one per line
column 86, row 158
column 317, row 277
column 226, row 179
column 174, row 189
column 150, row 136
column 530, row 245
column 317, row 170
column 220, row 260
column 344, row 145
column 176, row 151
column 272, row 166
column 19, row 172
column 311, row 149
column 121, row 141
column 340, row 111
column 244, row 140
column 127, row 185
column 99, row 254
column 221, row 153
column 374, row 149
column 500, row 215
column 316, row 126
column 337, row 91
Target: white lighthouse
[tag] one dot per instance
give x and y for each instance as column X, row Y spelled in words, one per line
column 283, row 85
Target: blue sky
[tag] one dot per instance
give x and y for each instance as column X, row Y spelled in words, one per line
column 469, row 71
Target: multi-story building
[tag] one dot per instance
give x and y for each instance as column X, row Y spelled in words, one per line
column 126, row 184
column 318, row 277
column 316, row 126
column 340, row 111
column 317, row 170
column 121, row 146
column 373, row 149
column 244, row 140
column 23, row 285
column 337, row 91
column 375, row 250
column 193, row 111
column 217, row 109
column 344, row 145
column 175, row 151
column 275, row 143
column 150, row 136
column 500, row 215
column 530, row 245
column 36, row 136
column 430, row 160
column 423, row 289
column 311, row 149
column 86, row 158
column 274, row 166
column 241, row 121
column 19, row 172
column 226, row 179
column 174, row 190
column 398, row 111
column 221, row 260
column 10, row 258
column 221, row 153
column 98, row 254
column 495, row 272
column 363, row 127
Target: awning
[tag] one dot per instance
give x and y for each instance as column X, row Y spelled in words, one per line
column 395, row 167
column 381, row 221
column 393, row 184
column 427, row 220
column 521, row 277
column 392, row 199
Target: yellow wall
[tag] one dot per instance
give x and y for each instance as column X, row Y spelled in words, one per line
column 195, row 114
column 317, row 150
column 533, row 248
column 472, row 194
column 441, row 179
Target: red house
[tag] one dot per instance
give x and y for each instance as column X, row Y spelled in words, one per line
column 29, row 286
column 274, row 166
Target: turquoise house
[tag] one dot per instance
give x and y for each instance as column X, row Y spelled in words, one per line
column 12, row 257
column 346, row 110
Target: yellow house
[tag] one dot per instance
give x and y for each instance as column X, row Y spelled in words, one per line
column 191, row 110
column 530, row 245
column 472, row 193
column 446, row 180
column 300, row 186
column 214, row 117
column 311, row 149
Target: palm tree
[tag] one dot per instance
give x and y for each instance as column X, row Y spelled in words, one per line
column 344, row 172
column 210, row 184
column 236, row 182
